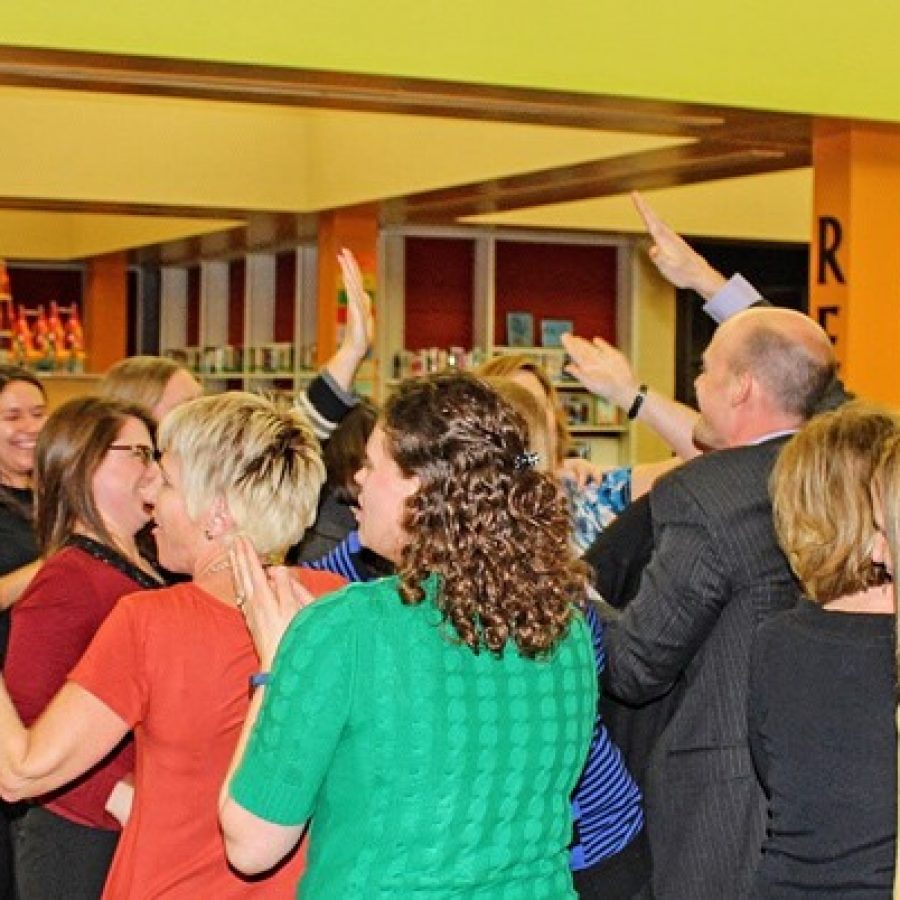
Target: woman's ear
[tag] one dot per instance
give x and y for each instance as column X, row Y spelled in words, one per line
column 219, row 521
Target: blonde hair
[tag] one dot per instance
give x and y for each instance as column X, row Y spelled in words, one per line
column 262, row 460
column 822, row 503
column 886, row 487
column 512, row 363
column 139, row 379
column 886, row 492
column 528, row 407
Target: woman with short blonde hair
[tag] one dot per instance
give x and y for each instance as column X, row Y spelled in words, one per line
column 174, row 665
column 242, row 451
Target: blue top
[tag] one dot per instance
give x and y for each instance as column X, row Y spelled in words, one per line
column 596, row 504
column 342, row 560
column 607, row 803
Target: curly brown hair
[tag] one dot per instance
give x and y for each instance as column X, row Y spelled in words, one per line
column 495, row 531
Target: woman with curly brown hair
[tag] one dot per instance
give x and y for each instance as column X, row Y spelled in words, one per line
column 431, row 725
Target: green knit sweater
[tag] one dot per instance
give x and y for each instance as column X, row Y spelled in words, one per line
column 427, row 770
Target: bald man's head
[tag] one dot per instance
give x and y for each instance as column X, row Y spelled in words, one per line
column 790, row 356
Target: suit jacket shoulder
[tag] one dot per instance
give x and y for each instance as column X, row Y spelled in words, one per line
column 716, row 568
column 719, row 481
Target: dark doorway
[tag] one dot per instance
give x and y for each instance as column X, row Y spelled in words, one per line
column 780, row 272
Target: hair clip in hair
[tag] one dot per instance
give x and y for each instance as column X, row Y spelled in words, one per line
column 527, row 460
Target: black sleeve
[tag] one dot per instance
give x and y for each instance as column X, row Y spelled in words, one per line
column 621, row 552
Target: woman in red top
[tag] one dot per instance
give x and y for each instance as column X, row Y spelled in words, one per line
column 174, row 665
column 94, row 464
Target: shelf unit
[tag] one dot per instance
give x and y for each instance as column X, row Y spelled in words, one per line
column 472, row 284
column 246, row 303
column 260, row 309
column 590, row 418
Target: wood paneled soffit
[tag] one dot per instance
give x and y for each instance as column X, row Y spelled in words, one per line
column 331, row 90
column 691, row 164
column 719, row 142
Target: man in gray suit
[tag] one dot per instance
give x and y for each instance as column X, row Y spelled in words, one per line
column 715, row 573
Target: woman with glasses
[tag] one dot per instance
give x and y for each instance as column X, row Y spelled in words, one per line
column 94, row 468
column 174, row 666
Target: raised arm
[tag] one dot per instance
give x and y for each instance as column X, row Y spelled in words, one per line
column 330, row 396
column 682, row 266
column 360, row 325
column 677, row 262
column 605, row 371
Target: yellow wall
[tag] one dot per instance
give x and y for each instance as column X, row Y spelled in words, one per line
column 653, row 347
column 804, row 56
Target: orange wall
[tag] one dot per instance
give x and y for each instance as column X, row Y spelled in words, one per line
column 857, row 171
column 105, row 310
column 356, row 229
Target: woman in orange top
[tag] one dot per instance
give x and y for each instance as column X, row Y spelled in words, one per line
column 174, row 665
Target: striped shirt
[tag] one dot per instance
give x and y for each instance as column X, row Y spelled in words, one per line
column 342, row 560
column 325, row 403
column 606, row 803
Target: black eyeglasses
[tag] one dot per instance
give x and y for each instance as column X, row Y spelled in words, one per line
column 144, row 452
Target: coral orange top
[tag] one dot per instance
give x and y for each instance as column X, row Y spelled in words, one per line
column 175, row 664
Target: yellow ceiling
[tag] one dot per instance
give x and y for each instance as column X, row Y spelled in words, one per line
column 27, row 234
column 76, row 148
column 163, row 168
column 772, row 207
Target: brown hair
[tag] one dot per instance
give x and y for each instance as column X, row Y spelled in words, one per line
column 10, row 375
column 493, row 529
column 139, row 379
column 821, row 500
column 70, row 448
column 511, row 363
column 345, row 451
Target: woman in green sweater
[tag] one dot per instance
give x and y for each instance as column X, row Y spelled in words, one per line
column 432, row 725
